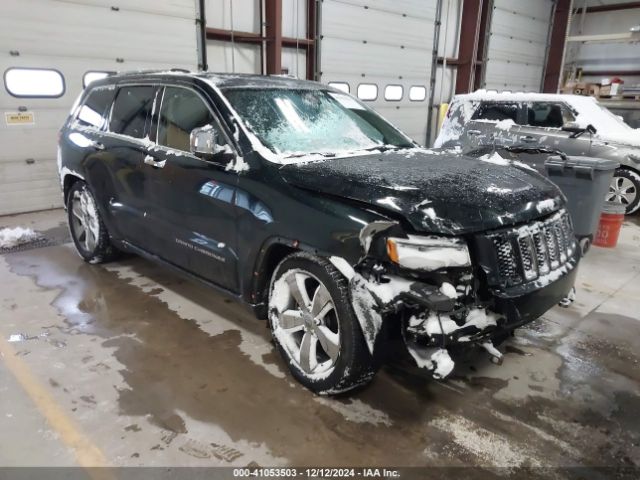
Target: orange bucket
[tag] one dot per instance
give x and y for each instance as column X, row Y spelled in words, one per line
column 610, row 224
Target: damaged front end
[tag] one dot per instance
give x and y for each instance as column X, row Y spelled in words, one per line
column 443, row 293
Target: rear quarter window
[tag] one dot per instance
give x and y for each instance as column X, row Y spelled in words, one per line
column 132, row 110
column 93, row 112
column 496, row 111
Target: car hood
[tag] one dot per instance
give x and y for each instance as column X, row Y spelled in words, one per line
column 437, row 192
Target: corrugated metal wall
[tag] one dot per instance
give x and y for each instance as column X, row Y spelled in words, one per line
column 517, row 44
column 74, row 37
column 387, row 42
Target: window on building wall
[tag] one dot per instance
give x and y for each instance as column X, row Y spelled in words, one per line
column 417, row 93
column 393, row 93
column 343, row 86
column 131, row 110
column 93, row 75
column 34, row 82
column 367, row 91
column 93, row 111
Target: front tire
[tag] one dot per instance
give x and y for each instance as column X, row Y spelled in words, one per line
column 625, row 189
column 89, row 234
column 314, row 326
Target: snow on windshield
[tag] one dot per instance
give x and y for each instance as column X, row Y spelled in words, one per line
column 297, row 122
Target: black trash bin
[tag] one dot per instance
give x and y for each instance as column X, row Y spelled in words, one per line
column 585, row 182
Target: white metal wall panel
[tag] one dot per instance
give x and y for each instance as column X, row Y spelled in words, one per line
column 73, row 37
column 517, row 43
column 241, row 15
column 239, row 58
column 294, row 18
column 383, row 42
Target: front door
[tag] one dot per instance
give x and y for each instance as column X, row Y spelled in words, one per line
column 493, row 123
column 542, row 127
column 191, row 199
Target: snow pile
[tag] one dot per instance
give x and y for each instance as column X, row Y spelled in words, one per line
column 437, row 360
column 237, row 165
column 443, row 364
column 12, row 237
column 546, row 205
column 494, row 158
column 505, row 124
column 448, row 290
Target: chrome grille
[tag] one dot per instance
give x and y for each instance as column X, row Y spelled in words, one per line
column 529, row 252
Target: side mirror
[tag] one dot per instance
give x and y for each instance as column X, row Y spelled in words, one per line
column 203, row 141
column 572, row 127
column 576, row 130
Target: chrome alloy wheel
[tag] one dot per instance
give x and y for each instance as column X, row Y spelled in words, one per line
column 622, row 190
column 307, row 327
column 84, row 218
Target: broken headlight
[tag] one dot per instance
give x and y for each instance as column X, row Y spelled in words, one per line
column 428, row 252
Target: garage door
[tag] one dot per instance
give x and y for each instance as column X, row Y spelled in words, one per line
column 381, row 50
column 72, row 38
column 517, row 44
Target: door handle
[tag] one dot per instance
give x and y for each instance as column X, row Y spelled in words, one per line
column 474, row 132
column 528, row 139
column 149, row 160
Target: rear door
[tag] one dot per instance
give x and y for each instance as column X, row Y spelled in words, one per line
column 191, row 199
column 126, row 145
column 493, row 123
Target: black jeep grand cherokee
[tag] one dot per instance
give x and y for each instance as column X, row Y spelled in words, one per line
column 307, row 205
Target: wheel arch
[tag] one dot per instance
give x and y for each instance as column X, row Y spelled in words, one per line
column 68, row 181
column 272, row 252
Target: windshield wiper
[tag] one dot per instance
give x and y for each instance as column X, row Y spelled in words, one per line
column 324, row 154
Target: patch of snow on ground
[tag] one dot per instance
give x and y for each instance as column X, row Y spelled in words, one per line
column 356, row 411
column 492, row 448
column 12, row 237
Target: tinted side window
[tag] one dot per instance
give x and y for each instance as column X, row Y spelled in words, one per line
column 93, row 111
column 131, row 110
column 182, row 110
column 496, row 111
column 552, row 115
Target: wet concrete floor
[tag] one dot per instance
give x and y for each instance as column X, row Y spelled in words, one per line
column 157, row 370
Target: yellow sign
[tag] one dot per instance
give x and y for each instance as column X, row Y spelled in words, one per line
column 19, row 118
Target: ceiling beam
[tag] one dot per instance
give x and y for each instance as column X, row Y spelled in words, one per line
column 612, row 7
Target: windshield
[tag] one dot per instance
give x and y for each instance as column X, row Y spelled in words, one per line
column 294, row 122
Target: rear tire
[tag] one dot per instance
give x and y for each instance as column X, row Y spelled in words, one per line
column 89, row 234
column 321, row 341
column 625, row 189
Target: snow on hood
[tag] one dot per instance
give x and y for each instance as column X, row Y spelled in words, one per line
column 446, row 193
column 610, row 128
